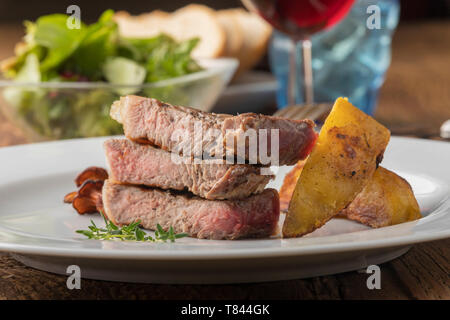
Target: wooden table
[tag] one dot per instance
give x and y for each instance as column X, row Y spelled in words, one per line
column 414, row 101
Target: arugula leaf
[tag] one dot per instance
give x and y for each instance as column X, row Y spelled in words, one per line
column 170, row 59
column 52, row 33
column 98, row 44
column 139, row 49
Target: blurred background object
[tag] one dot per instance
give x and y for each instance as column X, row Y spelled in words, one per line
column 13, row 11
column 348, row 60
column 445, row 130
column 298, row 21
column 412, row 101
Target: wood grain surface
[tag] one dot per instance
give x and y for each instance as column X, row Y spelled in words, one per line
column 414, row 101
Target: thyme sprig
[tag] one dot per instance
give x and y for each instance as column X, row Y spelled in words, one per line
column 131, row 232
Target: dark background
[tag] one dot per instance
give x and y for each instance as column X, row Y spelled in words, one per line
column 12, row 11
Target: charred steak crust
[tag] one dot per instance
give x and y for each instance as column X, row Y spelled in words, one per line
column 133, row 163
column 147, row 120
column 256, row 216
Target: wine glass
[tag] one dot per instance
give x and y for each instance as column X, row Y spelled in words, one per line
column 300, row 19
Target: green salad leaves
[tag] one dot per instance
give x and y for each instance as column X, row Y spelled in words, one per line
column 66, row 54
column 51, row 52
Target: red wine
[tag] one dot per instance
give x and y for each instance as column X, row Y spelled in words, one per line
column 301, row 18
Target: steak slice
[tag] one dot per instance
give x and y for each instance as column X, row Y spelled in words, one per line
column 172, row 128
column 256, row 216
column 133, row 163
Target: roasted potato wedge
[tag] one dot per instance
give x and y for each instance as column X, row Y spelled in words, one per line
column 346, row 155
column 386, row 200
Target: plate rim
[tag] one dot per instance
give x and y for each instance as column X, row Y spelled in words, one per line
column 442, row 211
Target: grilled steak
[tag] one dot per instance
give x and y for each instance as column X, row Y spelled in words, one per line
column 256, row 216
column 173, row 128
column 133, row 163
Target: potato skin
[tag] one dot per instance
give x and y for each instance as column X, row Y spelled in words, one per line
column 344, row 159
column 387, row 200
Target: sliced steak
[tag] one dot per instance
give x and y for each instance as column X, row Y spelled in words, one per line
column 133, row 163
column 172, row 128
column 256, row 216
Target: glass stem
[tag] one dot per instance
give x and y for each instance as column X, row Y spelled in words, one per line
column 308, row 90
column 307, row 72
column 292, row 80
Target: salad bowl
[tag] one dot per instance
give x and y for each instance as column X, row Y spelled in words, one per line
column 63, row 110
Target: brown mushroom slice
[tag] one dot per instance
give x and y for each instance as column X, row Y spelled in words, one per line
column 68, row 198
column 89, row 197
column 91, row 173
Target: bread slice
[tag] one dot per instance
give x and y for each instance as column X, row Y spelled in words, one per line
column 196, row 20
column 256, row 33
column 234, row 33
column 142, row 26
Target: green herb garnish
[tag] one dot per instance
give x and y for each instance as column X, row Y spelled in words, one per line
column 131, row 232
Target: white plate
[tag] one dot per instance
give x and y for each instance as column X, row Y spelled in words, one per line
column 38, row 228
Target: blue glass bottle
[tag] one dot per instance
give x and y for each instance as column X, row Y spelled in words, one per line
column 348, row 60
